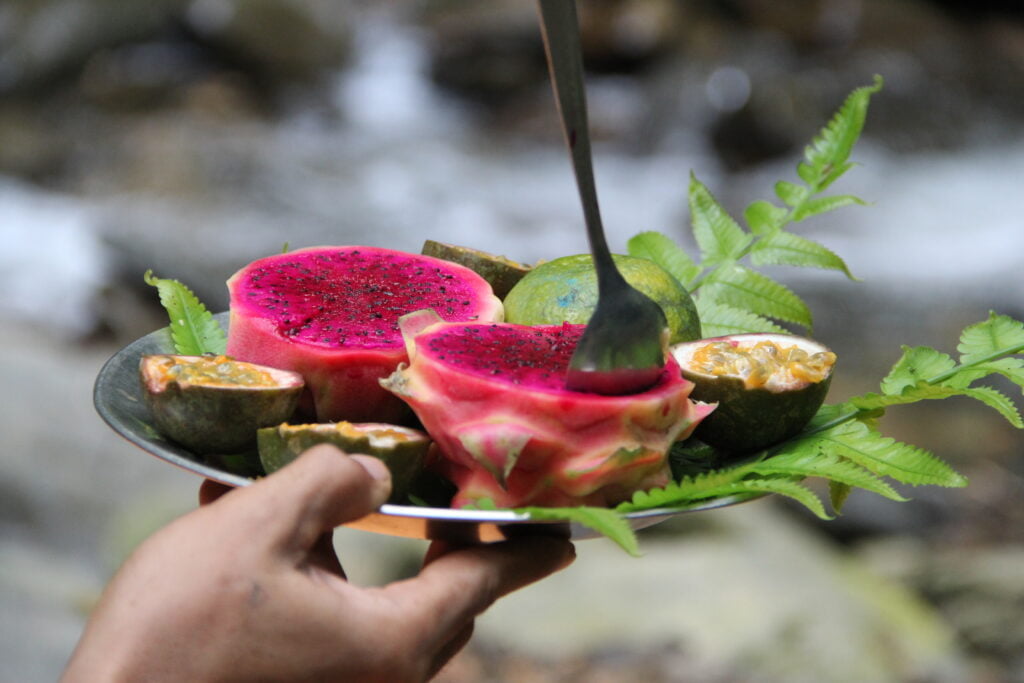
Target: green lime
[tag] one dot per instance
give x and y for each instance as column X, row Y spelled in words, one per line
column 565, row 290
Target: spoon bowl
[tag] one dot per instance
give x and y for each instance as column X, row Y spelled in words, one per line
column 623, row 348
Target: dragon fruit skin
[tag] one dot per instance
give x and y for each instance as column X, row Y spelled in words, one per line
column 535, row 442
column 331, row 313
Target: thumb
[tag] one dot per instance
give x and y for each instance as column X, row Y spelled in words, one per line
column 323, row 488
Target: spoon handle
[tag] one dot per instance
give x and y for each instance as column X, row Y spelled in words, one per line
column 561, row 33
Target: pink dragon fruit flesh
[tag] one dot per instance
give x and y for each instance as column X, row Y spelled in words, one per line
column 331, row 314
column 493, row 398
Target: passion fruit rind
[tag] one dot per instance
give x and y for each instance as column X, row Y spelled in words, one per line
column 753, row 415
column 403, row 449
column 500, row 272
column 214, row 404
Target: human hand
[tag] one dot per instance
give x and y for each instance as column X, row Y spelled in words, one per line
column 247, row 587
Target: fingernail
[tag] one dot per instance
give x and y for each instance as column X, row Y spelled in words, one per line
column 374, row 467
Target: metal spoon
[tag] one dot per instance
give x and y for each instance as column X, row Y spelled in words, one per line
column 622, row 350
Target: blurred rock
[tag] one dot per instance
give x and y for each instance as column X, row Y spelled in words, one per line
column 738, row 594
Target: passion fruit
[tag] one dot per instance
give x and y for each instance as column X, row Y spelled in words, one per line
column 767, row 387
column 402, row 449
column 214, row 404
column 500, row 272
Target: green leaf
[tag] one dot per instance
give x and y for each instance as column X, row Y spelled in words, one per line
column 825, row 159
column 786, row 249
column 764, row 218
column 803, row 459
column 719, row 319
column 661, row 249
column 918, row 364
column 919, row 392
column 746, row 289
column 998, row 401
column 719, row 237
column 820, row 205
column 792, row 194
column 999, row 335
column 687, row 490
column 887, row 457
column 194, row 330
column 1010, row 368
column 605, row 521
column 837, row 495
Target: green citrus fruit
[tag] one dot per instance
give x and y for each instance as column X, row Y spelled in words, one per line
column 565, row 290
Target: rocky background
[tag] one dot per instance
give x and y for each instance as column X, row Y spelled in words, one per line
column 190, row 136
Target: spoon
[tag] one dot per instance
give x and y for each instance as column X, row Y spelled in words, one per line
column 622, row 350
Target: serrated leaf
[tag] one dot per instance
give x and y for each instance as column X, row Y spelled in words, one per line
column 803, row 459
column 787, row 249
column 763, row 217
column 194, row 330
column 719, row 319
column 998, row 401
column 719, row 237
column 825, row 159
column 746, row 289
column 820, row 205
column 662, row 249
column 792, row 194
column 686, row 490
column 1010, row 368
column 887, row 457
column 999, row 335
column 837, row 495
column 605, row 521
column 917, row 364
column 920, row 392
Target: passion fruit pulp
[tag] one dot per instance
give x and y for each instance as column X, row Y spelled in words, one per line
column 402, row 449
column 767, row 387
column 214, row 404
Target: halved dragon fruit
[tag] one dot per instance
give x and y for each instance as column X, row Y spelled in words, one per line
column 493, row 398
column 331, row 314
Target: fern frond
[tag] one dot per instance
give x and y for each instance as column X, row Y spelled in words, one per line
column 746, row 289
column 719, row 237
column 719, row 319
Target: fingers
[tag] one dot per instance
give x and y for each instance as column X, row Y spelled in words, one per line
column 322, row 489
column 456, row 586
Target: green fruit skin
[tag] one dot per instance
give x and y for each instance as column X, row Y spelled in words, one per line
column 503, row 274
column 748, row 420
column 281, row 444
column 579, row 309
column 219, row 419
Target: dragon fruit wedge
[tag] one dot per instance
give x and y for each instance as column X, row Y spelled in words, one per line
column 493, row 398
column 331, row 314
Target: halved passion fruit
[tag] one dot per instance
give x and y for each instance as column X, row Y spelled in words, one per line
column 213, row 404
column 767, row 386
column 402, row 449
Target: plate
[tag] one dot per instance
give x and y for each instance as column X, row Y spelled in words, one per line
column 119, row 401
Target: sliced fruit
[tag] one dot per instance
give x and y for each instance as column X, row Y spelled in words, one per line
column 493, row 397
column 402, row 449
column 213, row 404
column 503, row 273
column 331, row 314
column 565, row 290
column 767, row 386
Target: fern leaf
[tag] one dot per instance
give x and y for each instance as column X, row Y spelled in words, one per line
column 719, row 319
column 998, row 401
column 194, row 331
column 820, row 205
column 802, row 459
column 605, row 521
column 1010, row 368
column 920, row 392
column 792, row 194
column 999, row 335
column 719, row 237
column 743, row 288
column 686, row 490
column 887, row 457
column 917, row 364
column 787, row 249
column 837, row 495
column 654, row 246
column 825, row 159
column 764, row 218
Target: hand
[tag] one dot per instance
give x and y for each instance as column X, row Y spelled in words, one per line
column 248, row 587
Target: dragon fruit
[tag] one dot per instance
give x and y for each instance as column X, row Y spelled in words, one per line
column 493, row 398
column 331, row 314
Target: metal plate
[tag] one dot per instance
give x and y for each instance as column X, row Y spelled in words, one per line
column 119, row 401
